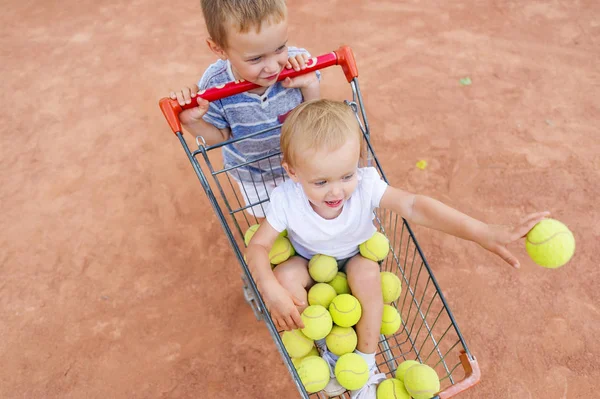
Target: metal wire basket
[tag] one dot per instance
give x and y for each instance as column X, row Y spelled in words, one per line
column 429, row 333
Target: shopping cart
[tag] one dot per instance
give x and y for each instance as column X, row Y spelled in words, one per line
column 428, row 333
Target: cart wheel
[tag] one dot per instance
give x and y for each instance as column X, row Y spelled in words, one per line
column 251, row 299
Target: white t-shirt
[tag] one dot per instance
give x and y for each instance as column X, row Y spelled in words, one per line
column 311, row 234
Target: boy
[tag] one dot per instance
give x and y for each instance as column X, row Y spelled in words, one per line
column 327, row 207
column 250, row 39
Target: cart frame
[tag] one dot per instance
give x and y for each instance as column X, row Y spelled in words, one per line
column 429, row 332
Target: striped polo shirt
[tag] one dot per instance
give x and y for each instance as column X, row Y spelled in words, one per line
column 248, row 113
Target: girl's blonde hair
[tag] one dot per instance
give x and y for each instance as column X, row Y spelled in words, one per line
column 317, row 125
column 242, row 14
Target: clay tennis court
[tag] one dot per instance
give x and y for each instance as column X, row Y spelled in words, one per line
column 116, row 279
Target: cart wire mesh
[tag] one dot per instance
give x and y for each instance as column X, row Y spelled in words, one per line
column 429, row 332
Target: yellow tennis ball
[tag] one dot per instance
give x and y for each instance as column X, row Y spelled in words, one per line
column 550, row 244
column 345, row 310
column 390, row 287
column 421, row 382
column 322, row 268
column 321, row 294
column 375, row 248
column 250, row 233
column 392, row 389
column 317, row 322
column 296, row 343
column 252, row 229
column 402, row 367
column 281, row 251
column 297, row 360
column 390, row 322
column 341, row 340
column 351, row 371
column 314, row 373
column 340, row 283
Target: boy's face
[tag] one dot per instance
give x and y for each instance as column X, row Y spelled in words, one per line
column 257, row 57
column 328, row 178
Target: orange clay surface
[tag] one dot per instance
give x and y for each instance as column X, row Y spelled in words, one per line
column 116, row 280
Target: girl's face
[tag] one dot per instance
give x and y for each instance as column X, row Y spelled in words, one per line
column 328, row 178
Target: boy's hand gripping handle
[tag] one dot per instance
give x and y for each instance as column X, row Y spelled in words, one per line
column 343, row 57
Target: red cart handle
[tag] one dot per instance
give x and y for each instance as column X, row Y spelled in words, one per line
column 342, row 57
column 472, row 377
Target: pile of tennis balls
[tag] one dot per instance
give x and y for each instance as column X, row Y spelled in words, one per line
column 412, row 379
column 332, row 314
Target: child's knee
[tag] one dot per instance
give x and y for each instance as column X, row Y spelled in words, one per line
column 364, row 270
column 289, row 274
column 283, row 275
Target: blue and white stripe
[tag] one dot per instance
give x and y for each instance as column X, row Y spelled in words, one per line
column 248, row 113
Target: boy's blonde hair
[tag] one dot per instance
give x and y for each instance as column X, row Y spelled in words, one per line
column 243, row 14
column 318, row 125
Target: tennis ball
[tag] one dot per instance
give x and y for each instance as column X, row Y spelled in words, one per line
column 351, row 371
column 340, row 283
column 297, row 360
column 345, row 310
column 390, row 286
column 281, row 251
column 317, row 322
column 252, row 229
column 296, row 343
column 550, row 244
column 341, row 340
column 321, row 294
column 421, row 381
column 392, row 389
column 322, row 268
column 390, row 322
column 405, row 365
column 375, row 248
column 314, row 373
column 250, row 233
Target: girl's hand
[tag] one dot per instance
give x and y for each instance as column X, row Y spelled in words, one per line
column 497, row 237
column 283, row 307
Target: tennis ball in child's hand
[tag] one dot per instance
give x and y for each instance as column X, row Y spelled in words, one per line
column 322, row 268
column 392, row 389
column 281, row 251
column 296, row 343
column 351, row 371
column 390, row 287
column 405, row 365
column 321, row 294
column 317, row 322
column 375, row 248
column 340, row 283
column 550, row 244
column 345, row 310
column 314, row 373
column 341, row 340
column 390, row 322
column 421, row 382
column 297, row 360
